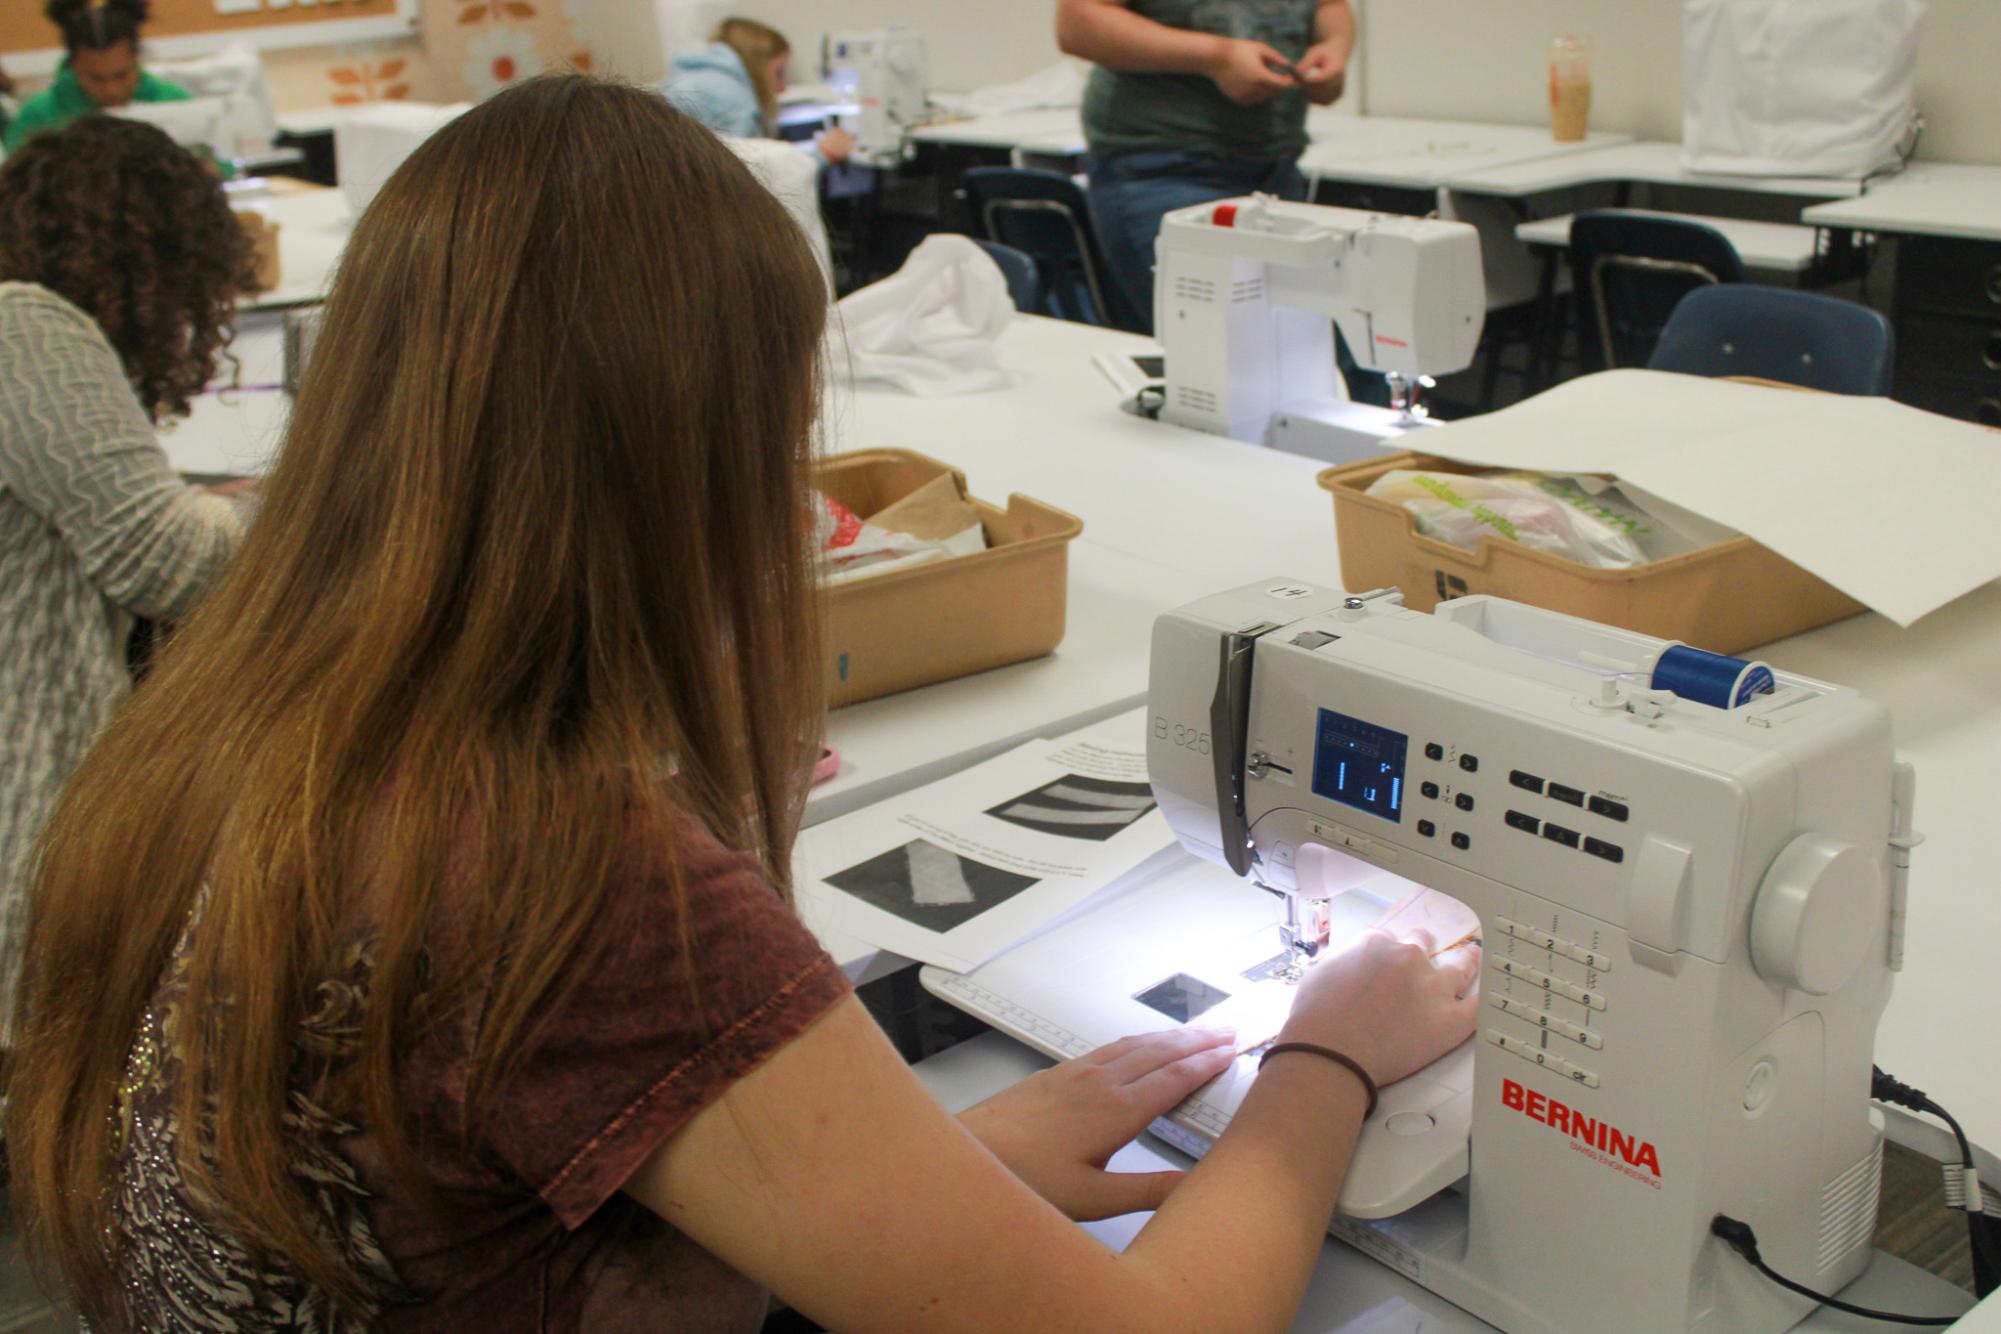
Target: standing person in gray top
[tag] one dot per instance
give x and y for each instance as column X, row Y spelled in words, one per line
column 1193, row 101
column 120, row 264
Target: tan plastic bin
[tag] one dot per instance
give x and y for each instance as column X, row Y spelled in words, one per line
column 954, row 617
column 1726, row 598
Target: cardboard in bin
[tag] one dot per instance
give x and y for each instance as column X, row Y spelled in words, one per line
column 1725, row 598
column 262, row 235
column 949, row 618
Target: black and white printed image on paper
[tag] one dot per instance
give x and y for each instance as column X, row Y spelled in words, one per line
column 929, row 886
column 1182, row 997
column 954, row 872
column 1078, row 807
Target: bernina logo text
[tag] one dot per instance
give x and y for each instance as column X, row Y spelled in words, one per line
column 1595, row 1138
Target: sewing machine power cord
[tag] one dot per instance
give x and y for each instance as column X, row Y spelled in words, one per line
column 1981, row 1230
column 1983, row 1234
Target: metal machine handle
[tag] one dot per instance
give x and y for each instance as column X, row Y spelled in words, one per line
column 1229, row 720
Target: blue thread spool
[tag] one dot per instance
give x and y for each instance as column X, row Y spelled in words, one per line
column 1711, row 678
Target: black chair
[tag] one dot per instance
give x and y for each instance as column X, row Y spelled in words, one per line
column 1024, row 276
column 1629, row 271
column 1776, row 333
column 1045, row 215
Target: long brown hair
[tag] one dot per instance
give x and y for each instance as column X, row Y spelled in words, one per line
column 532, row 567
column 129, row 227
column 757, row 45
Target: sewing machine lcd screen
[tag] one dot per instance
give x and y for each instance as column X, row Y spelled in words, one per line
column 1359, row 764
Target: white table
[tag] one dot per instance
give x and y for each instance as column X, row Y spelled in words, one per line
column 1948, row 281
column 1425, row 154
column 1776, row 247
column 1930, row 199
column 1352, row 1294
column 1057, row 131
column 1205, row 506
column 1642, row 163
column 313, row 226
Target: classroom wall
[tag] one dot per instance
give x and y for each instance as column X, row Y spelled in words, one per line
column 1463, row 59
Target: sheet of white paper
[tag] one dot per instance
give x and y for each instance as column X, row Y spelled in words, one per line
column 1891, row 505
column 954, row 873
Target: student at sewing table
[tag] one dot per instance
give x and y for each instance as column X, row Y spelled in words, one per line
column 100, row 67
column 110, row 321
column 733, row 84
column 435, row 880
column 1196, row 100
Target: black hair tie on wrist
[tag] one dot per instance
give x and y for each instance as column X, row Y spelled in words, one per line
column 1327, row 1053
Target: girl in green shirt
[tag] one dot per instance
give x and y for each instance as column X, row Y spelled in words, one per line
column 101, row 68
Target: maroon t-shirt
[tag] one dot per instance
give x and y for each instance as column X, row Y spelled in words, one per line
column 532, row 1233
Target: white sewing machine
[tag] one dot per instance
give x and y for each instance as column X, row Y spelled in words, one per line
column 1244, row 292
column 883, row 72
column 1691, row 918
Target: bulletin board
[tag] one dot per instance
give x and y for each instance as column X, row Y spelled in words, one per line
column 193, row 27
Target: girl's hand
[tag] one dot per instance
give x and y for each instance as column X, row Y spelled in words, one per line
column 1056, row 1130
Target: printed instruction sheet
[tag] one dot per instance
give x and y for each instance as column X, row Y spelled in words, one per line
column 956, row 872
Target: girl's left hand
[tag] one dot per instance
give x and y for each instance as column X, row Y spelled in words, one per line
column 1056, row 1130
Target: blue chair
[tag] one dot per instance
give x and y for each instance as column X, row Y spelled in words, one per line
column 1775, row 333
column 1045, row 215
column 1024, row 277
column 1630, row 270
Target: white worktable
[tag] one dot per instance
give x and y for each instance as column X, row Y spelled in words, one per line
column 1352, row 1294
column 313, row 226
column 1425, row 154
column 1058, row 131
column 1646, row 163
column 1195, row 503
column 1776, row 247
column 1341, row 146
column 1930, row 199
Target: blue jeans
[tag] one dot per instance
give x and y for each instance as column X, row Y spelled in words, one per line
column 1131, row 192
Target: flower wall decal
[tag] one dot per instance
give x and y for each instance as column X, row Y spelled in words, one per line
column 370, row 81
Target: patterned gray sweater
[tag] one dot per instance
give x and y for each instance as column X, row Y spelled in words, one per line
column 94, row 528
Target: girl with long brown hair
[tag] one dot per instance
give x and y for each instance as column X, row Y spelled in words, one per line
column 414, row 950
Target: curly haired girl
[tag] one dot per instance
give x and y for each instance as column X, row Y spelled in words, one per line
column 120, row 263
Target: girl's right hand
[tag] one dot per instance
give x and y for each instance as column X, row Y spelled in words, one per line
column 1387, row 1003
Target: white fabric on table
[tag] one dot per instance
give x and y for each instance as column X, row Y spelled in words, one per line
column 930, row 327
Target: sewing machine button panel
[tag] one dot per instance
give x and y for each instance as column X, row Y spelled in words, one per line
column 1575, row 1073
column 1611, row 810
column 1548, row 1022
